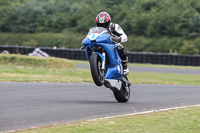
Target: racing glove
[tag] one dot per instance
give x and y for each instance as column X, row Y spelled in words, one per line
column 116, row 39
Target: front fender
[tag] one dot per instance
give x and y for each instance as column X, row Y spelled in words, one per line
column 101, row 56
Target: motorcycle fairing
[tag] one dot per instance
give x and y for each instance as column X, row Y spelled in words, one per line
column 114, row 70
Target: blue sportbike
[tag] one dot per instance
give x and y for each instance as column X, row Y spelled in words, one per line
column 105, row 63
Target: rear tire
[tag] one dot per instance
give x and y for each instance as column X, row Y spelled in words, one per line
column 98, row 74
column 123, row 95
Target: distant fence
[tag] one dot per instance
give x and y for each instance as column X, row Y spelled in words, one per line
column 134, row 57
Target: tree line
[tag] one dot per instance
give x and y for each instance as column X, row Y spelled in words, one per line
column 145, row 21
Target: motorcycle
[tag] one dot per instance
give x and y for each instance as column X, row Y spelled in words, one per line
column 105, row 63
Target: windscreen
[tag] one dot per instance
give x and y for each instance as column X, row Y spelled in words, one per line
column 96, row 30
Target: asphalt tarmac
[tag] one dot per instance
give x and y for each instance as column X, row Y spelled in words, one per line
column 24, row 105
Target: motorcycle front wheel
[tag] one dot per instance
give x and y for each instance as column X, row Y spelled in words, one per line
column 98, row 74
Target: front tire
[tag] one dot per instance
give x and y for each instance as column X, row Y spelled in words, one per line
column 98, row 74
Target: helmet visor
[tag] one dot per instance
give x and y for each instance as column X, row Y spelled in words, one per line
column 105, row 25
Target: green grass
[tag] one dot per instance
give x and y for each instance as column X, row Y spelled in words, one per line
column 42, row 74
column 80, row 62
column 147, row 65
column 163, row 78
column 164, row 66
column 20, row 68
column 160, row 78
column 32, row 74
column 28, row 61
column 185, row 120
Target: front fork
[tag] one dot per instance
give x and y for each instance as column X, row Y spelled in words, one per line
column 104, row 60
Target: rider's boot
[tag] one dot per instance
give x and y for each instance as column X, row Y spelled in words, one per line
column 125, row 67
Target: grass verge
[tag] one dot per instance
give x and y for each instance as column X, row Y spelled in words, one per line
column 20, row 68
column 41, row 74
column 159, row 78
column 148, row 65
column 28, row 61
column 185, row 120
column 165, row 66
column 163, row 78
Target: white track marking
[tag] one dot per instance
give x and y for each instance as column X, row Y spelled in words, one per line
column 116, row 116
column 145, row 112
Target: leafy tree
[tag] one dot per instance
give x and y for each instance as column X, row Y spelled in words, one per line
column 151, row 20
column 189, row 49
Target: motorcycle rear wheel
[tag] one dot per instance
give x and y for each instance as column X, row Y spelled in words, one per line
column 123, row 95
column 98, row 74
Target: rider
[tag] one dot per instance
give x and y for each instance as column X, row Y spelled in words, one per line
column 103, row 19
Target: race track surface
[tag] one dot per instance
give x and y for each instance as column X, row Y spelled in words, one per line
column 23, row 105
